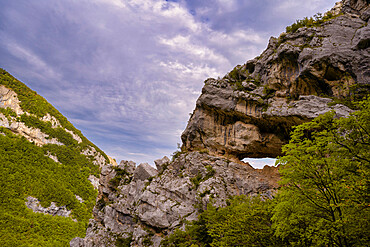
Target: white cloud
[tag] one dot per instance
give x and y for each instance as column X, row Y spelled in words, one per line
column 259, row 163
column 115, row 3
column 33, row 61
column 128, row 72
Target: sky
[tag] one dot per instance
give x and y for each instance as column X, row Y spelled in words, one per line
column 127, row 73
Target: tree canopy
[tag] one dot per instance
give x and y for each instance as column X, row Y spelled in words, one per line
column 324, row 198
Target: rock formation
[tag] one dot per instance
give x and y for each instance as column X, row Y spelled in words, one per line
column 143, row 205
column 301, row 74
column 247, row 113
column 53, row 209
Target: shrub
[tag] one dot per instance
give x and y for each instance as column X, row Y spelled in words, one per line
column 316, row 21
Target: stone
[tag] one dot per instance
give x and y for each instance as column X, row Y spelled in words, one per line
column 94, row 181
column 99, row 159
column 31, row 134
column 329, row 60
column 76, row 242
column 9, row 98
column 144, row 171
column 163, row 203
column 161, row 164
column 128, row 166
column 112, row 161
column 34, row 204
column 79, row 198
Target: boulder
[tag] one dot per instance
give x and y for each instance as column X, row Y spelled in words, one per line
column 128, row 166
column 161, row 164
column 144, row 171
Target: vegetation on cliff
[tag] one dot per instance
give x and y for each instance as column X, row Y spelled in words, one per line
column 50, row 172
column 25, row 169
column 315, row 21
column 35, row 104
column 323, row 201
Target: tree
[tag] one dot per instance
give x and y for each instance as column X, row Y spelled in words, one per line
column 245, row 221
column 324, row 199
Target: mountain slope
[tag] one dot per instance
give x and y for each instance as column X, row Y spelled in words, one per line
column 47, row 170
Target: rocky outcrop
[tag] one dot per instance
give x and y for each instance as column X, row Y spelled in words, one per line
column 301, row 74
column 98, row 158
column 31, row 134
column 34, row 204
column 146, row 205
column 9, row 99
column 248, row 113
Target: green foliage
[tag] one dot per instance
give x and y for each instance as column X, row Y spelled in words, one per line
column 238, row 76
column 196, row 180
column 195, row 234
column 33, row 103
column 316, row 21
column 324, row 199
column 210, row 172
column 234, row 74
column 25, row 170
column 147, row 242
column 245, row 221
column 269, row 92
column 121, row 174
column 180, row 150
column 46, row 127
column 8, row 113
column 123, row 242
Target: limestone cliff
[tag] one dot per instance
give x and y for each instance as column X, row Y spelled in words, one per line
column 301, row 74
column 247, row 113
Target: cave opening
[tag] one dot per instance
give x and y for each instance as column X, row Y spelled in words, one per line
column 259, row 163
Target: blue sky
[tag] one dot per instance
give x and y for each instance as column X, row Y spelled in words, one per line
column 127, row 73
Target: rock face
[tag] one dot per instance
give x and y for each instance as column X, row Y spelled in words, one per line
column 9, row 99
column 34, row 204
column 250, row 112
column 145, row 206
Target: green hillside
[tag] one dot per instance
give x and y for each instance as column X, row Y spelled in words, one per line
column 27, row 169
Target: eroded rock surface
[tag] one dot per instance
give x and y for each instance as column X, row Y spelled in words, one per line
column 150, row 207
column 302, row 74
column 9, row 99
column 54, row 210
